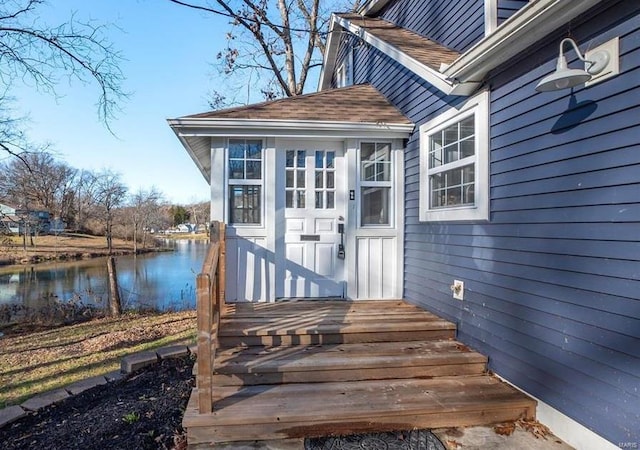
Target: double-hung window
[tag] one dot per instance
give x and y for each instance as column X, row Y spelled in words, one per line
column 375, row 183
column 245, row 181
column 454, row 153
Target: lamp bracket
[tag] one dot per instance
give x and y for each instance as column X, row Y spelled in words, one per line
column 597, row 62
column 608, row 68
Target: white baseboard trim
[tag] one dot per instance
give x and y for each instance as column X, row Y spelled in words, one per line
column 573, row 433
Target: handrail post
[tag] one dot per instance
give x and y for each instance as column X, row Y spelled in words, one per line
column 205, row 363
column 222, row 269
column 210, row 284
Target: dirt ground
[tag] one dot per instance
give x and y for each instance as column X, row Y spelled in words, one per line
column 143, row 411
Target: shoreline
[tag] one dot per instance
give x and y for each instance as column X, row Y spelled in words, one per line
column 70, row 256
column 68, row 247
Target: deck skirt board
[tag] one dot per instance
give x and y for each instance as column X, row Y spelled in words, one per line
column 317, row 368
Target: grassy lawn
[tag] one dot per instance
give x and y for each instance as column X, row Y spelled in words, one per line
column 31, row 363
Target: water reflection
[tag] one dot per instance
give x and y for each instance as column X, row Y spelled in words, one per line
column 159, row 280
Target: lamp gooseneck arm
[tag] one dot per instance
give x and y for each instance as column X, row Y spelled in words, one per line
column 575, row 47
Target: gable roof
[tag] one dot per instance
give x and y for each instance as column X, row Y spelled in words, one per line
column 358, row 111
column 419, row 54
column 463, row 75
column 421, row 49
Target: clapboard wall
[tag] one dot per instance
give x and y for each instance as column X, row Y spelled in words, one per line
column 507, row 8
column 454, row 24
column 552, row 280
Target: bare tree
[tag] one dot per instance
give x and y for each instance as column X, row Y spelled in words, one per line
column 280, row 44
column 200, row 213
column 43, row 55
column 39, row 181
column 110, row 193
column 144, row 208
column 84, row 199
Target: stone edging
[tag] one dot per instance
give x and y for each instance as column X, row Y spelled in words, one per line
column 128, row 365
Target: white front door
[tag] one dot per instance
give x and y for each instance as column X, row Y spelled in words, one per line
column 312, row 194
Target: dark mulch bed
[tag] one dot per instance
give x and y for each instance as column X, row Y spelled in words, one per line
column 143, row 411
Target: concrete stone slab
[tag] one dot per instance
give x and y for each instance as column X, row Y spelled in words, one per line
column 116, row 375
column 172, row 351
column 482, row 438
column 83, row 385
column 193, row 349
column 11, row 414
column 137, row 361
column 281, row 444
column 44, row 400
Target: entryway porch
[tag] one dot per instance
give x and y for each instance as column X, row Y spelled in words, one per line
column 319, row 367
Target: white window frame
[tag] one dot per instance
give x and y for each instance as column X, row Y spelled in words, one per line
column 344, row 72
column 373, row 184
column 477, row 106
column 244, row 182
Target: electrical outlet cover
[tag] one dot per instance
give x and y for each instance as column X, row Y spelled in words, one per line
column 458, row 289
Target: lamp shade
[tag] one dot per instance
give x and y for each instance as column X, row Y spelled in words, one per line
column 563, row 77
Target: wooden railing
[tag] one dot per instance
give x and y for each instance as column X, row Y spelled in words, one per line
column 210, row 290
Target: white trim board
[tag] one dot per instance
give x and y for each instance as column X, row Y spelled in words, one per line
column 567, row 429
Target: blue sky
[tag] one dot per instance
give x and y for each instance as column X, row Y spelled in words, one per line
column 169, row 67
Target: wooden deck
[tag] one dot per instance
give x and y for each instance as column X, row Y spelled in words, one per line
column 315, row 368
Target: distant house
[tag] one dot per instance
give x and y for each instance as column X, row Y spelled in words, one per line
column 9, row 222
column 33, row 221
column 450, row 147
column 185, row 228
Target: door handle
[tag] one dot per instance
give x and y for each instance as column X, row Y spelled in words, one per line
column 341, row 253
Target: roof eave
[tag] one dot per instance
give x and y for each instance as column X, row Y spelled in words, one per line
column 328, row 63
column 203, row 170
column 530, row 24
column 276, row 127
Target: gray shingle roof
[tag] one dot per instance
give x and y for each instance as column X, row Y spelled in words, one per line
column 357, row 104
column 412, row 44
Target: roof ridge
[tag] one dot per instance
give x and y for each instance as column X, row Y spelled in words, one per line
column 276, row 101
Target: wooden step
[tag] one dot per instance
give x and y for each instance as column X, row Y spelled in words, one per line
column 345, row 362
column 319, row 409
column 319, row 306
column 285, row 330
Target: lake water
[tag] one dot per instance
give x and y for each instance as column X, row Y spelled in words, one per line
column 163, row 281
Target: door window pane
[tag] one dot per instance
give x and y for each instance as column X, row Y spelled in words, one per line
column 295, row 178
column 374, row 204
column 324, row 179
column 375, row 183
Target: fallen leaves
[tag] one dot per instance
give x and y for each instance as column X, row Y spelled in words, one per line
column 505, row 429
column 534, row 427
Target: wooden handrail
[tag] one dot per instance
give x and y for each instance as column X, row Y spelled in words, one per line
column 210, row 304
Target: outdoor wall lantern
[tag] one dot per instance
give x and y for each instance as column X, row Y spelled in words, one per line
column 595, row 63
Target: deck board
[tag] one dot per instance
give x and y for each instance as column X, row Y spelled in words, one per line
column 315, row 368
column 279, row 411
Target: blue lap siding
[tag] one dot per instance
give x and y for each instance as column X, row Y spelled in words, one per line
column 552, row 280
column 507, row 8
column 456, row 25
